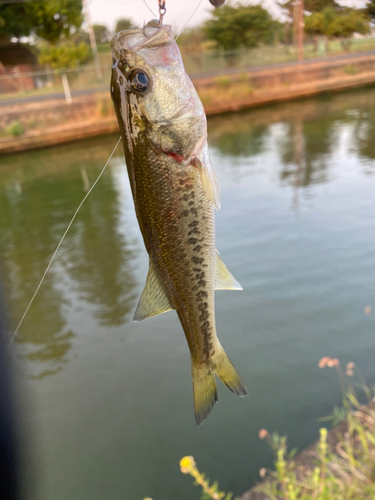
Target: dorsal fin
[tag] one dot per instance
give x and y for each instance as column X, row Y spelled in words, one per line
column 153, row 300
column 224, row 280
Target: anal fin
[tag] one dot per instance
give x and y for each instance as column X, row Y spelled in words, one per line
column 153, row 300
column 224, row 280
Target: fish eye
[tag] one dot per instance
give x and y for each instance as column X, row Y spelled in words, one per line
column 140, row 81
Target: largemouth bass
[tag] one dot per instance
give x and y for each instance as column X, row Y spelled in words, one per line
column 175, row 191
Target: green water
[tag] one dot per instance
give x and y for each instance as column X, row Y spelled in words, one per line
column 109, row 402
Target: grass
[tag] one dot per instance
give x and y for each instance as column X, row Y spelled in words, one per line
column 15, row 129
column 349, row 69
column 225, row 89
column 340, row 466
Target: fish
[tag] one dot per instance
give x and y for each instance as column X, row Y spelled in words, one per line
column 175, row 190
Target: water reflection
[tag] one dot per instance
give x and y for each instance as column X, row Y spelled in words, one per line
column 39, row 193
column 101, row 258
column 242, row 139
column 27, row 238
column 306, row 134
column 364, row 137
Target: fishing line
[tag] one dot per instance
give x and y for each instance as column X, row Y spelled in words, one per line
column 188, row 21
column 62, row 239
column 144, row 1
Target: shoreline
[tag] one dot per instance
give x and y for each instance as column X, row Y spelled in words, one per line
column 51, row 122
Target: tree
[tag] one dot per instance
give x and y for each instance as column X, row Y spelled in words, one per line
column 65, row 55
column 101, row 33
column 318, row 23
column 370, row 7
column 308, row 5
column 350, row 21
column 191, row 40
column 124, row 23
column 49, row 19
column 340, row 24
column 243, row 25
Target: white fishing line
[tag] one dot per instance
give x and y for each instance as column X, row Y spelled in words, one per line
column 144, row 1
column 62, row 239
column 188, row 21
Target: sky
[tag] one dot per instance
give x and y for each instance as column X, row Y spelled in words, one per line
column 178, row 11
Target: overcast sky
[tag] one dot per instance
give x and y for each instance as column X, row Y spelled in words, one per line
column 178, row 11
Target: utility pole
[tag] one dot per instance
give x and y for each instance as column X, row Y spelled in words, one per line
column 94, row 48
column 300, row 26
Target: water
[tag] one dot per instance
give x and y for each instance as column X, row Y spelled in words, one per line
column 109, row 402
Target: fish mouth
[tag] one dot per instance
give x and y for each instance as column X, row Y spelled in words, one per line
column 148, row 37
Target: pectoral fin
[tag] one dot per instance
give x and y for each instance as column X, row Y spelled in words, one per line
column 209, row 180
column 224, row 280
column 153, row 300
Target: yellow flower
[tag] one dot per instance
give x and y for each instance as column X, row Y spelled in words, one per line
column 186, row 464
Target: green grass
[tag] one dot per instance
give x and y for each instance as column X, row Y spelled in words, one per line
column 340, row 466
column 341, row 471
column 15, row 129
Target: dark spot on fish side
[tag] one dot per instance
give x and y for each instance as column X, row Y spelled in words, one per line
column 185, row 213
column 205, row 315
column 191, row 203
column 202, row 283
column 193, row 224
column 195, row 230
column 201, row 294
column 194, row 211
column 200, row 276
column 192, row 241
column 197, row 260
column 198, row 248
column 202, row 307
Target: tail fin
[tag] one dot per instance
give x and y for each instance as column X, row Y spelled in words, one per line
column 204, row 391
column 204, row 384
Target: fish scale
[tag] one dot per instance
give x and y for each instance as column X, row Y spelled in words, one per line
column 175, row 191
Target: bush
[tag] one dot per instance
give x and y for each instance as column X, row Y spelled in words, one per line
column 64, row 56
column 15, row 129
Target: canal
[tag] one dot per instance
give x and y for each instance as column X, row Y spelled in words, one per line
column 107, row 403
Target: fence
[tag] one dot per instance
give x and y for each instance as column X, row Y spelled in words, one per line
column 24, row 80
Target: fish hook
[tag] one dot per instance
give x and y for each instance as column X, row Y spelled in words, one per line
column 162, row 11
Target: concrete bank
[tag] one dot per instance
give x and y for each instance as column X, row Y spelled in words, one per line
column 49, row 122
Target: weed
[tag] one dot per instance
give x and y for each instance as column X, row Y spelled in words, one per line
column 223, row 81
column 102, row 107
column 342, row 467
column 15, row 129
column 188, row 466
column 349, row 69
